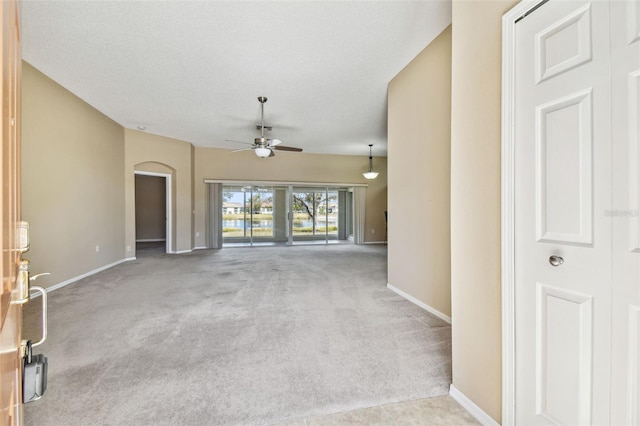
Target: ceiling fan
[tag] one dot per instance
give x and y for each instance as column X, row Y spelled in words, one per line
column 264, row 147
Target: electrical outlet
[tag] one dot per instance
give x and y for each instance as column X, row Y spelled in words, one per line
column 373, row 231
column 128, row 248
column 197, row 234
column 97, row 249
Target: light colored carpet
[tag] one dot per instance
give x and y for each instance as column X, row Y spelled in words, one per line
column 236, row 336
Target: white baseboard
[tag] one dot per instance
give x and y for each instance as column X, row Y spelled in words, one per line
column 200, row 248
column 151, row 240
column 95, row 271
column 376, row 242
column 472, row 408
column 421, row 304
column 181, row 252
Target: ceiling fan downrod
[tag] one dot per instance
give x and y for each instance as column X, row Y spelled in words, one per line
column 262, row 100
column 262, row 148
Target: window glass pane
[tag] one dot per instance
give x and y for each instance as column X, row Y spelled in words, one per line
column 305, row 213
column 332, row 214
column 262, row 213
column 234, row 212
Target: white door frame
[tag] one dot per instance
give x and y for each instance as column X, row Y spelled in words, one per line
column 508, row 204
column 169, row 219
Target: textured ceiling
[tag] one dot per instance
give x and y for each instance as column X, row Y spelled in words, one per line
column 193, row 70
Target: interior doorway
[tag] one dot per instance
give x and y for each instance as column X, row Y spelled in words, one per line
column 153, row 210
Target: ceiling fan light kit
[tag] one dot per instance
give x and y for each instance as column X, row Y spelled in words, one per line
column 263, row 147
column 262, row 152
column 370, row 174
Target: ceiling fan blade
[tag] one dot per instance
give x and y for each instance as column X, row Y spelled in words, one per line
column 231, row 140
column 287, row 148
column 274, row 142
column 242, row 149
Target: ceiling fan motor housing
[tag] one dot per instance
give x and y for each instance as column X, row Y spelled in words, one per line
column 262, row 141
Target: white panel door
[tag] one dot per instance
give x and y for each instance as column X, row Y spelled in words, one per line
column 562, row 235
column 625, row 218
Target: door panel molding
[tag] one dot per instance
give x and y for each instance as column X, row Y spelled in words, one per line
column 563, row 199
column 550, row 63
column 634, row 160
column 563, row 367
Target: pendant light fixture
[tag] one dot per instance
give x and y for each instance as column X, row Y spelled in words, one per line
column 370, row 174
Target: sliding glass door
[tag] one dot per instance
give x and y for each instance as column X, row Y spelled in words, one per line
column 251, row 214
column 315, row 214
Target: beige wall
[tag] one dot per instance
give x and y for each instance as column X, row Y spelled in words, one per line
column 148, row 152
column 475, row 201
column 72, row 181
column 213, row 163
column 419, row 136
column 151, row 206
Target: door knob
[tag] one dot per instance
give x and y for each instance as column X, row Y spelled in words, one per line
column 556, row 260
